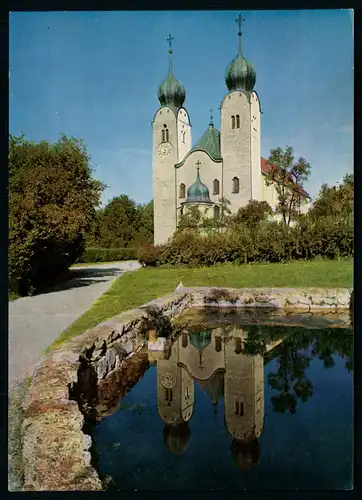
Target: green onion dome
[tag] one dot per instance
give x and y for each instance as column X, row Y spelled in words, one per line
column 171, row 92
column 198, row 192
column 240, row 74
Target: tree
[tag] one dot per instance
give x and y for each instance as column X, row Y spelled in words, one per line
column 253, row 213
column 335, row 201
column 288, row 178
column 119, row 223
column 190, row 218
column 52, row 204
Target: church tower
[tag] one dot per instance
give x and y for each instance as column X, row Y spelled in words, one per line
column 240, row 132
column 171, row 142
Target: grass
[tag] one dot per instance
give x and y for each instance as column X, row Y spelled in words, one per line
column 138, row 287
column 92, row 264
column 13, row 296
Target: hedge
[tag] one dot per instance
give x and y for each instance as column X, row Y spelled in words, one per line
column 271, row 242
column 107, row 255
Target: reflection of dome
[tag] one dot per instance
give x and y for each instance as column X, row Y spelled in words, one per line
column 200, row 340
column 246, row 454
column 177, row 437
column 214, row 387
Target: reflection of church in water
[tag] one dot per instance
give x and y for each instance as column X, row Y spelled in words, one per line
column 219, row 366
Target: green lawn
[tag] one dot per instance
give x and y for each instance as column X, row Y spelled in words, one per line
column 13, row 296
column 138, row 287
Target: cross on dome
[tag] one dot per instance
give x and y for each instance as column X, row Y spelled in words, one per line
column 240, row 19
column 169, row 39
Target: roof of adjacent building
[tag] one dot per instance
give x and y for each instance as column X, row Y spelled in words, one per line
column 267, row 167
column 210, row 142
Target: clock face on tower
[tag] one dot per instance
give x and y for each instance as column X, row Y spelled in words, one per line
column 164, row 149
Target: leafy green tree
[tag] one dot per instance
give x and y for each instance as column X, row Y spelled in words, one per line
column 52, row 204
column 288, row 176
column 335, row 201
column 190, row 218
column 253, row 213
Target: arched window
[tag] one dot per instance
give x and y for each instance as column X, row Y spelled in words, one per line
column 216, row 186
column 163, row 136
column 184, row 137
column 236, row 186
column 185, row 339
column 237, row 121
column 218, row 345
column 237, row 342
column 182, row 190
column 167, row 136
column 233, row 122
column 239, row 408
column 216, row 212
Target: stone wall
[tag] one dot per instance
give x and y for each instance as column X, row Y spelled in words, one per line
column 70, row 382
column 85, row 374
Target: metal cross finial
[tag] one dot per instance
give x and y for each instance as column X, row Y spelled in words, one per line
column 239, row 20
column 198, row 163
column 211, row 116
column 169, row 39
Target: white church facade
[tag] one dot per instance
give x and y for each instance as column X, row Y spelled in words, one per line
column 221, row 164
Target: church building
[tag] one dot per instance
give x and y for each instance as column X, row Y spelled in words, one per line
column 221, row 164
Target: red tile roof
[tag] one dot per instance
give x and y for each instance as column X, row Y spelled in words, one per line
column 266, row 168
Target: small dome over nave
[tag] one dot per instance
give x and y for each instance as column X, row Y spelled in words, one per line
column 198, row 193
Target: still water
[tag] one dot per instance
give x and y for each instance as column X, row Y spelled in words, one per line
column 233, row 406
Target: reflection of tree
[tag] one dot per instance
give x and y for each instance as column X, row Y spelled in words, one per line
column 294, row 358
column 290, row 380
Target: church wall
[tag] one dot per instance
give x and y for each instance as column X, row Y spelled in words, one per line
column 184, row 133
column 269, row 194
column 186, row 174
column 236, row 148
column 164, row 176
column 259, row 394
column 257, row 179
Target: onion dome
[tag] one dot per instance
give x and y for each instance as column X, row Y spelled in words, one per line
column 177, row 437
column 210, row 141
column 171, row 92
column 198, row 192
column 246, row 454
column 240, row 74
column 200, row 340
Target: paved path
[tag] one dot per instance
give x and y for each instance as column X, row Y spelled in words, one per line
column 34, row 322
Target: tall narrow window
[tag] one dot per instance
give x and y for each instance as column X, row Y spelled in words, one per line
column 216, row 212
column 239, row 408
column 163, row 135
column 168, row 395
column 184, row 137
column 187, row 394
column 237, row 341
column 216, row 186
column 167, row 136
column 185, row 339
column 233, row 122
column 182, row 190
column 218, row 345
column 236, row 186
column 237, row 121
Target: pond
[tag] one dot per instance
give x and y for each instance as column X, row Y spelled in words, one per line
column 236, row 403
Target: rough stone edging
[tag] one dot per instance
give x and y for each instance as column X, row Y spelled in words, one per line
column 56, row 450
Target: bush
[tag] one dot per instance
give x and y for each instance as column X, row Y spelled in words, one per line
column 107, row 255
column 52, row 202
column 269, row 242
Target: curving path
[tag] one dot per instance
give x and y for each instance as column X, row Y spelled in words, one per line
column 34, row 322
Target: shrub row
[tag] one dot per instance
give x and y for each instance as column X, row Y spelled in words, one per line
column 107, row 255
column 270, row 242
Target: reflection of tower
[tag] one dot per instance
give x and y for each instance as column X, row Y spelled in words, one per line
column 244, row 401
column 175, row 401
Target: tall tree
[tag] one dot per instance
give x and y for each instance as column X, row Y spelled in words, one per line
column 288, row 176
column 52, row 204
column 253, row 213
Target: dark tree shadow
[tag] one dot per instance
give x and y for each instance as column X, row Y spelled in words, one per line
column 76, row 278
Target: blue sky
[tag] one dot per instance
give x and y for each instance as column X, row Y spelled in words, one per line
column 94, row 75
